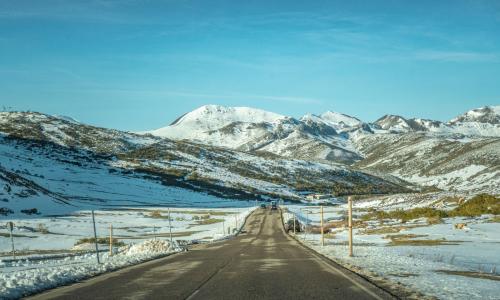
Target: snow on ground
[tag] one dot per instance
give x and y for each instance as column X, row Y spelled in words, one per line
column 422, row 267
column 21, row 278
column 89, row 185
column 47, row 256
column 61, row 233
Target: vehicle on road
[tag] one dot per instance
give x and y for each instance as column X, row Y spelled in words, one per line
column 274, row 205
column 263, row 205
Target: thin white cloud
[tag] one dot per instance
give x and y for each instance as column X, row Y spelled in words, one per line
column 455, row 56
column 199, row 95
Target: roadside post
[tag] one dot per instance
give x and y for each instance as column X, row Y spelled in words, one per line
column 110, row 239
column 322, row 230
column 170, row 227
column 307, row 224
column 10, row 225
column 223, row 228
column 154, row 232
column 95, row 239
column 294, row 224
column 349, row 200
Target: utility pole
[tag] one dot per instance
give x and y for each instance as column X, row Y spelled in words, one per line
column 307, row 224
column 322, row 230
column 349, row 200
column 95, row 239
column 110, row 239
column 170, row 228
column 294, row 224
column 10, row 225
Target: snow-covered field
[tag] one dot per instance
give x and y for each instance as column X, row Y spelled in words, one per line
column 49, row 251
column 436, row 260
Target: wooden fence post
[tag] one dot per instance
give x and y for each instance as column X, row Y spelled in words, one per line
column 110, row 239
column 95, row 239
column 322, row 230
column 349, row 200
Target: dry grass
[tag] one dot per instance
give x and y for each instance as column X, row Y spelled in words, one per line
column 155, row 214
column 494, row 219
column 159, row 234
column 36, row 251
column 101, row 241
column 204, row 212
column 330, row 235
column 434, row 220
column 382, row 230
column 208, row 221
column 416, row 240
column 478, row 205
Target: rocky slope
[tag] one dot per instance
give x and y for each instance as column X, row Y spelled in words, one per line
column 59, row 163
column 412, row 147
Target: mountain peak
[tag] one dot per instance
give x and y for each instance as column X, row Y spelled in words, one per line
column 333, row 119
column 485, row 114
column 393, row 122
column 213, row 117
column 220, row 115
column 341, row 119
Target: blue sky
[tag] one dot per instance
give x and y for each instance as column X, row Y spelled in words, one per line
column 138, row 65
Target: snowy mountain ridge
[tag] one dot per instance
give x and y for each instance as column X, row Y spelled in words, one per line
column 234, row 157
column 486, row 114
column 325, row 137
column 209, row 118
column 55, row 165
column 338, row 138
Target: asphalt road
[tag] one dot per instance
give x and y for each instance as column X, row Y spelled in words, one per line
column 262, row 263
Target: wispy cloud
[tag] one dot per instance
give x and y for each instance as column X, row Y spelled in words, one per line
column 454, row 56
column 106, row 11
column 197, row 95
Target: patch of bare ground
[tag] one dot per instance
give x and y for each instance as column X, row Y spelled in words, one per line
column 471, row 274
column 208, row 221
column 388, row 229
column 40, row 252
column 159, row 234
column 416, row 240
column 494, row 219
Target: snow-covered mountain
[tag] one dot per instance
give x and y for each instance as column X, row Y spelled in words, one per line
column 325, row 137
column 338, row 138
column 249, row 129
column 486, row 114
column 481, row 122
column 209, row 118
column 240, row 153
column 56, row 165
column 338, row 121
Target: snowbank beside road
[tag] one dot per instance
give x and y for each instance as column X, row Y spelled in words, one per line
column 22, row 278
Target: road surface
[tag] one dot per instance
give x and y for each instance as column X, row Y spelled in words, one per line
column 261, row 263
